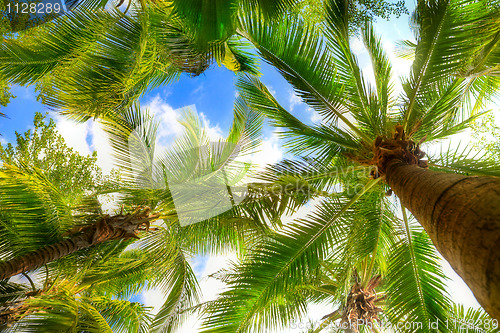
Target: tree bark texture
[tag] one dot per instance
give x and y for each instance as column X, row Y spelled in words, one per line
column 107, row 228
column 461, row 214
column 45, row 255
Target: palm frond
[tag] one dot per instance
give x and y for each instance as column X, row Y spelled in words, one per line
column 465, row 160
column 472, row 319
column 405, row 49
column 285, row 260
column 382, row 70
column 300, row 55
column 33, row 212
column 416, row 283
column 442, row 25
column 320, row 139
column 349, row 75
column 122, row 316
column 183, row 295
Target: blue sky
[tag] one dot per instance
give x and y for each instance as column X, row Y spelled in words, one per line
column 212, row 93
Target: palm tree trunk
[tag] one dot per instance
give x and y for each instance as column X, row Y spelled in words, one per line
column 462, row 217
column 107, row 228
column 45, row 255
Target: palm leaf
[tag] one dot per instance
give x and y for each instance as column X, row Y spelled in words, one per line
column 298, row 52
column 465, row 160
column 442, row 25
column 287, row 259
column 319, row 139
column 416, row 282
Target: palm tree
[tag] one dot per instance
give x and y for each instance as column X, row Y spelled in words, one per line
column 447, row 69
column 40, row 224
column 348, row 245
column 346, row 242
column 366, row 125
column 65, row 302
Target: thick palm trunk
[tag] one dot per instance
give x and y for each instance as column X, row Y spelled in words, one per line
column 107, row 228
column 462, row 217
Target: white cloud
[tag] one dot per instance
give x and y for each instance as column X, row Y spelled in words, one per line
column 153, row 298
column 401, row 67
column 3, row 140
column 271, row 90
column 294, row 100
column 268, row 152
column 74, row 134
column 100, row 143
column 315, row 116
column 213, row 132
column 198, row 90
column 303, row 211
column 368, row 74
column 170, row 127
column 167, row 117
column 357, row 46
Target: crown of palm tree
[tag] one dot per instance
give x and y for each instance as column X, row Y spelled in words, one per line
column 363, row 124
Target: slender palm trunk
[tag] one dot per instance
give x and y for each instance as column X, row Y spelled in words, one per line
column 107, row 228
column 462, row 217
column 44, row 255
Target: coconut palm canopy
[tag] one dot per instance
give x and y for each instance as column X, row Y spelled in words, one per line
column 359, row 250
column 364, row 124
column 64, row 237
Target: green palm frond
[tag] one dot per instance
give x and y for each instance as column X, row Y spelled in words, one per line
column 121, row 276
column 382, row 70
column 271, row 9
column 349, row 74
column 10, row 291
column 183, row 295
column 443, row 112
column 405, row 49
column 300, row 55
column 285, row 260
column 27, row 61
column 481, row 90
column 319, row 139
column 123, row 316
column 33, row 212
column 416, row 283
column 465, row 160
column 215, row 20
column 444, row 31
column 486, row 58
column 309, row 172
column 463, row 318
column 368, row 240
column 91, row 61
column 60, row 312
column 239, row 57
